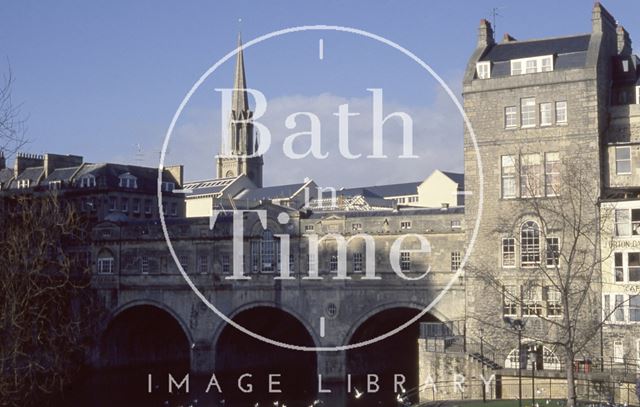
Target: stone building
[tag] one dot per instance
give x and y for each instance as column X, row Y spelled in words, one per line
column 547, row 114
column 99, row 191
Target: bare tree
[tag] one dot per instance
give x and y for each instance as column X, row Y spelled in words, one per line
column 557, row 229
column 46, row 307
column 12, row 121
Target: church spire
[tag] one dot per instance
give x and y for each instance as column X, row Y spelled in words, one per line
column 240, row 101
column 241, row 144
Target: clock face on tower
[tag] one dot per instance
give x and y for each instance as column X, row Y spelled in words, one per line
column 328, row 257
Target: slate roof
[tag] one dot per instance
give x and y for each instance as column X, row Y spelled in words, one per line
column 456, row 177
column 274, row 192
column 6, row 175
column 60, row 174
column 409, row 188
column 532, row 48
column 107, row 175
column 33, row 174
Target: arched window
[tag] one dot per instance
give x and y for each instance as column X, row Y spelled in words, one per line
column 105, row 262
column 529, row 244
column 265, row 253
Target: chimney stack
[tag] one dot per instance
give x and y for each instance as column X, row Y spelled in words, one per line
column 54, row 161
column 485, row 34
column 3, row 161
column 508, row 38
column 601, row 20
column 24, row 161
column 624, row 42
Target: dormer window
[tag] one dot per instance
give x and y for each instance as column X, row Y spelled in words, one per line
column 128, row 181
column 55, row 185
column 483, row 70
column 24, row 183
column 532, row 65
column 88, row 181
column 168, row 186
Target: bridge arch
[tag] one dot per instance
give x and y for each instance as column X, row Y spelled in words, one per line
column 393, row 358
column 265, row 304
column 237, row 353
column 144, row 333
column 434, row 312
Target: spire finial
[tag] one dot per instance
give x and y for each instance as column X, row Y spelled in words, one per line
column 239, row 102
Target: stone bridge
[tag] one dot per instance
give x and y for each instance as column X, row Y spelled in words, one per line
column 155, row 317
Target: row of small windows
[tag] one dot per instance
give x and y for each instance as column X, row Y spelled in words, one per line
column 530, row 248
column 626, row 267
column 407, row 199
column 265, row 258
column 549, row 113
column 531, row 301
column 168, row 208
column 404, row 225
column 518, row 66
column 533, row 181
column 627, row 222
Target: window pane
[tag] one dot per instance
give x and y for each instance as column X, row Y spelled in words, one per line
column 528, row 112
column 508, row 252
column 633, row 261
column 508, row 177
column 618, row 314
column 530, row 175
column 618, row 267
column 553, row 249
column 634, row 308
column 510, row 116
column 623, row 224
column 623, row 160
column 405, row 261
column 546, row 114
column 561, row 112
column 516, row 67
column 635, row 221
column 552, row 174
column 532, row 65
column 530, row 244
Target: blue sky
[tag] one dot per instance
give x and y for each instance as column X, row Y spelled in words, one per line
column 103, row 79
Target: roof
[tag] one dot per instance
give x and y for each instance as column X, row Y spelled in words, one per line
column 6, row 174
column 207, row 187
column 274, row 192
column 409, row 188
column 532, row 48
column 61, row 174
column 147, row 177
column 456, row 177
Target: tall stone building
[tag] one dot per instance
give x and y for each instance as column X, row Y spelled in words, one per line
column 542, row 115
